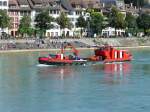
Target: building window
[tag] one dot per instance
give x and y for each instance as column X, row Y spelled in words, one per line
column 16, row 19
column 12, row 33
column 56, row 33
column 52, row 34
column 16, row 25
column 0, row 3
column 51, row 12
column 16, row 13
column 58, row 12
column 21, row 13
column 11, row 26
column 48, row 34
column 24, row 13
column 11, row 19
column 4, row 3
column 54, row 11
column 78, row 12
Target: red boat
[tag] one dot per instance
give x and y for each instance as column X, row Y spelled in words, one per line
column 61, row 59
column 108, row 54
column 105, row 54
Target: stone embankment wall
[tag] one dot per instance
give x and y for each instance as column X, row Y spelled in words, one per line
column 122, row 42
column 82, row 42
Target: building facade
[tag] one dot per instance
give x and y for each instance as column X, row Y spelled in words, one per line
column 19, row 8
column 4, row 4
column 107, row 32
column 73, row 8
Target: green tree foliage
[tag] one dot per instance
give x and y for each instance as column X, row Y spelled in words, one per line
column 43, row 22
column 116, row 19
column 96, row 22
column 63, row 21
column 131, row 23
column 143, row 22
column 25, row 26
column 82, row 23
column 121, row 21
column 4, row 19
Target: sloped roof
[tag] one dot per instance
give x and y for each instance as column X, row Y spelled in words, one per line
column 86, row 3
column 23, row 2
column 12, row 2
column 66, row 4
column 41, row 1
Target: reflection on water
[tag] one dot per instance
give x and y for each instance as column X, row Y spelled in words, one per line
column 117, row 68
column 116, row 72
column 61, row 72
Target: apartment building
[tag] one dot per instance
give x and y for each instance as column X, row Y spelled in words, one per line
column 55, row 9
column 73, row 8
column 17, row 9
column 80, row 7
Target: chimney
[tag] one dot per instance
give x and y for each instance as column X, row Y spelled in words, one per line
column 103, row 5
column 135, row 7
column 131, row 4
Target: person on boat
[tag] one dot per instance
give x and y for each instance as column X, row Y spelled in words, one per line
column 70, row 57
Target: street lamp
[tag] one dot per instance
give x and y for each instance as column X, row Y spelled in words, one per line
column 88, row 26
column 0, row 26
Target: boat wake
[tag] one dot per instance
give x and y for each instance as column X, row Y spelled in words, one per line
column 43, row 65
column 141, row 60
column 93, row 63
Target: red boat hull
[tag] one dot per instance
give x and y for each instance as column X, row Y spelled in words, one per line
column 47, row 61
column 115, row 60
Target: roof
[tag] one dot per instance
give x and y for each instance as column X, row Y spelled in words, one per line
column 12, row 2
column 86, row 3
column 23, row 2
column 37, row 1
column 42, row 4
column 66, row 4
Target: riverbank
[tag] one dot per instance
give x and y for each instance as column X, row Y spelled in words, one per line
column 32, row 45
column 51, row 50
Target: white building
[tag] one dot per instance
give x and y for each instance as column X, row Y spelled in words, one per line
column 111, row 32
column 73, row 16
column 4, row 4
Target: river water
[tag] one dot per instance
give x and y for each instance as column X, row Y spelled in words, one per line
column 26, row 86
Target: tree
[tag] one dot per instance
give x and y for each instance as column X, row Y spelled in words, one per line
column 4, row 19
column 131, row 23
column 116, row 19
column 25, row 26
column 82, row 23
column 43, row 22
column 96, row 22
column 63, row 21
column 143, row 22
